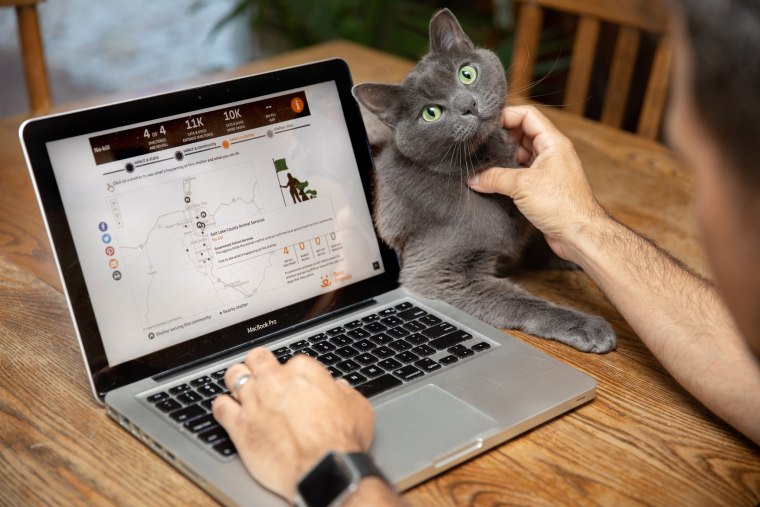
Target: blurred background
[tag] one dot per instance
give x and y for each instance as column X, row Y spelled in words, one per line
column 139, row 47
column 135, row 47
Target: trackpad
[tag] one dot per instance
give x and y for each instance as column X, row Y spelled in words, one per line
column 421, row 426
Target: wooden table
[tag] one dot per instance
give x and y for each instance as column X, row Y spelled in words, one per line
column 643, row 441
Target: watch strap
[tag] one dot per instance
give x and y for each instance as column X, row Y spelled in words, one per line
column 365, row 465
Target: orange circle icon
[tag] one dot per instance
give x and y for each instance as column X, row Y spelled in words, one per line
column 226, row 144
column 296, row 104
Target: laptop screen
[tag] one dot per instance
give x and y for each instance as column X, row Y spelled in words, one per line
column 216, row 222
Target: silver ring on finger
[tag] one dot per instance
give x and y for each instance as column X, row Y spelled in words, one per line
column 239, row 383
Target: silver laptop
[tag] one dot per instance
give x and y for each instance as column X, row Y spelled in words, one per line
column 192, row 226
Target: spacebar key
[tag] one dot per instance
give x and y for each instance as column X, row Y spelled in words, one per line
column 450, row 340
column 378, row 385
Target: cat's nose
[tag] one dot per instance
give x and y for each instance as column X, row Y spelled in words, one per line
column 471, row 108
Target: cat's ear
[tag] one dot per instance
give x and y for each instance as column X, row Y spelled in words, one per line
column 379, row 98
column 446, row 34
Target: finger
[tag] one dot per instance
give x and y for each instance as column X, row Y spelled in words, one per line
column 308, row 367
column 233, row 373
column 226, row 411
column 534, row 125
column 496, row 179
column 524, row 157
column 262, row 363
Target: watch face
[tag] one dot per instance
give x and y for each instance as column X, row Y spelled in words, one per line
column 326, row 481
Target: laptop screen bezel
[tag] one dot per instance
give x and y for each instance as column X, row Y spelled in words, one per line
column 37, row 133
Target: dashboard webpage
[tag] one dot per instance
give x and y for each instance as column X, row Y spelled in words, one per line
column 192, row 223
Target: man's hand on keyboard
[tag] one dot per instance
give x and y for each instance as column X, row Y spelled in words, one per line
column 286, row 417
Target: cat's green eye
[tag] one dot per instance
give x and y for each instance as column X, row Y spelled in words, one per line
column 468, row 74
column 431, row 112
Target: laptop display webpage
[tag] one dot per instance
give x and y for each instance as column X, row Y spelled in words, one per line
column 189, row 224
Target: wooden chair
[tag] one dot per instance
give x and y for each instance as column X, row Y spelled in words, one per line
column 32, row 53
column 633, row 17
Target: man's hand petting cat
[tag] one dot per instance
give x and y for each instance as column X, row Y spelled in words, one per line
column 551, row 189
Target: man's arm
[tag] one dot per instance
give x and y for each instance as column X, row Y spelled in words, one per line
column 678, row 315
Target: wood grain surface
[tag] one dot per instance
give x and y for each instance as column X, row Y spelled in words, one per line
column 642, row 441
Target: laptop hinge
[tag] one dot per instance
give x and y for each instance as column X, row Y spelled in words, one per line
column 294, row 329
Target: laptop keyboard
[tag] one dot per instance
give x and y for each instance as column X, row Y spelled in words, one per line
column 375, row 353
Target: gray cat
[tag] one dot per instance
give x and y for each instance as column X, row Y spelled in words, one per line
column 455, row 244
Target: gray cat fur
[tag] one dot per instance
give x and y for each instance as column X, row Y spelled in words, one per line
column 455, row 244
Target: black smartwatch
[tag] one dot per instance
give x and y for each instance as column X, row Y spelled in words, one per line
column 334, row 478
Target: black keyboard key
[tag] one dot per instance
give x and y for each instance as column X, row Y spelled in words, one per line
column 219, row 373
column 386, row 312
column 207, row 403
column 347, row 351
column 213, row 435
column 381, row 339
column 328, row 359
column 355, row 378
column 403, row 306
column 408, row 373
column 299, row 345
column 347, row 366
column 450, row 340
column 334, row 371
column 439, row 330
column 389, row 364
column 375, row 327
column 209, row 390
column 221, row 383
column 382, row 352
column 417, row 339
column 201, row 424
column 365, row 358
column 353, row 324
column 284, row 358
column 336, row 331
column 364, row 345
column 317, row 338
column 225, row 448
column 200, row 381
column 461, row 354
column 341, row 340
column 412, row 313
column 447, row 360
column 371, row 318
column 372, row 371
column 168, row 405
column 480, row 347
column 426, row 364
column 323, row 347
column 430, row 320
column 400, row 345
column 392, row 321
column 309, row 352
column 424, row 350
column 155, row 398
column 407, row 357
column 187, row 413
column 414, row 326
column 378, row 385
column 182, row 388
column 398, row 332
column 189, row 397
column 281, row 351
column 358, row 334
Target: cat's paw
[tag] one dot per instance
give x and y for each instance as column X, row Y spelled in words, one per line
column 594, row 334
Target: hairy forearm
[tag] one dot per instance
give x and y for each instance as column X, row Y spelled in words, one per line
column 680, row 318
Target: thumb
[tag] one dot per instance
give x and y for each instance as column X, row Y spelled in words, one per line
column 496, row 179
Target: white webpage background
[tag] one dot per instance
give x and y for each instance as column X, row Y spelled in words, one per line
column 175, row 283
